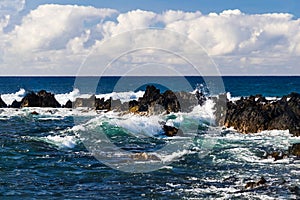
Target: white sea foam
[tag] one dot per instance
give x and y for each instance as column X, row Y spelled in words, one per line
column 9, row 98
column 122, row 96
column 46, row 113
column 62, row 141
column 63, row 98
column 236, row 98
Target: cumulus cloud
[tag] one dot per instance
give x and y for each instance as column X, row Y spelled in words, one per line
column 55, row 39
column 11, row 6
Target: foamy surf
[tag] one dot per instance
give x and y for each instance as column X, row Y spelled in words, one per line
column 9, row 98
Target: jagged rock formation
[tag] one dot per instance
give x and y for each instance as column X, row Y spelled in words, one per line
column 2, row 103
column 40, row 99
column 69, row 104
column 256, row 113
column 154, row 102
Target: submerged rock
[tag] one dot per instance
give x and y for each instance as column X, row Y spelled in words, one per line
column 276, row 155
column 260, row 182
column 255, row 114
column 171, row 131
column 2, row 103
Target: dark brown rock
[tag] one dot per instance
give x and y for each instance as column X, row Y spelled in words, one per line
column 15, row 104
column 255, row 114
column 102, row 104
column 69, row 104
column 34, row 113
column 153, row 102
column 251, row 184
column 295, row 150
column 85, row 102
column 41, row 99
column 170, row 102
column 171, row 131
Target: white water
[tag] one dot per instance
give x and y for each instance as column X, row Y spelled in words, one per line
column 9, row 98
column 233, row 99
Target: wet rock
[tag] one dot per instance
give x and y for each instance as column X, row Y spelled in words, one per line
column 170, row 102
column 220, row 108
column 276, row 155
column 295, row 150
column 85, row 102
column 154, row 102
column 260, row 182
column 2, row 103
column 34, row 113
column 118, row 106
column 41, row 99
column 255, row 114
column 171, row 131
column 295, row 190
column 15, row 104
column 201, row 98
column 69, row 104
column 102, row 104
column 187, row 101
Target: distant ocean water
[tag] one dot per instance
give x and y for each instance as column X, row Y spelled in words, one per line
column 43, row 157
column 236, row 85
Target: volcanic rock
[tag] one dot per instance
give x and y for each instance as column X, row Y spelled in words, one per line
column 171, row 131
column 41, row 99
column 255, row 114
column 260, row 182
column 2, row 103
column 69, row 104
column 15, row 104
column 102, row 104
column 85, row 102
column 153, row 102
column 295, row 150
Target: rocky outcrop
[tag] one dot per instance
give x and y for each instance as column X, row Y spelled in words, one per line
column 15, row 104
column 2, row 103
column 68, row 104
column 40, row 99
column 256, row 113
column 154, row 102
column 92, row 102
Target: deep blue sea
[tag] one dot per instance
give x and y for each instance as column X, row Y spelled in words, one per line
column 83, row 154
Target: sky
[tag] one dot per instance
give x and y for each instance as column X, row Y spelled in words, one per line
column 92, row 37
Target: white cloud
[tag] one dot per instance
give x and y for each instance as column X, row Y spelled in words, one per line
column 52, row 26
column 11, row 6
column 55, row 39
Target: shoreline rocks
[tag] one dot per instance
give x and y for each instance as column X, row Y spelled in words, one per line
column 2, row 103
column 40, row 99
column 247, row 115
column 255, row 114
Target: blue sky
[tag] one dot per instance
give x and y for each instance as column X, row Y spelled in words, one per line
column 205, row 6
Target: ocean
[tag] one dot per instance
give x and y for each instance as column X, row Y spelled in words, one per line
column 52, row 155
